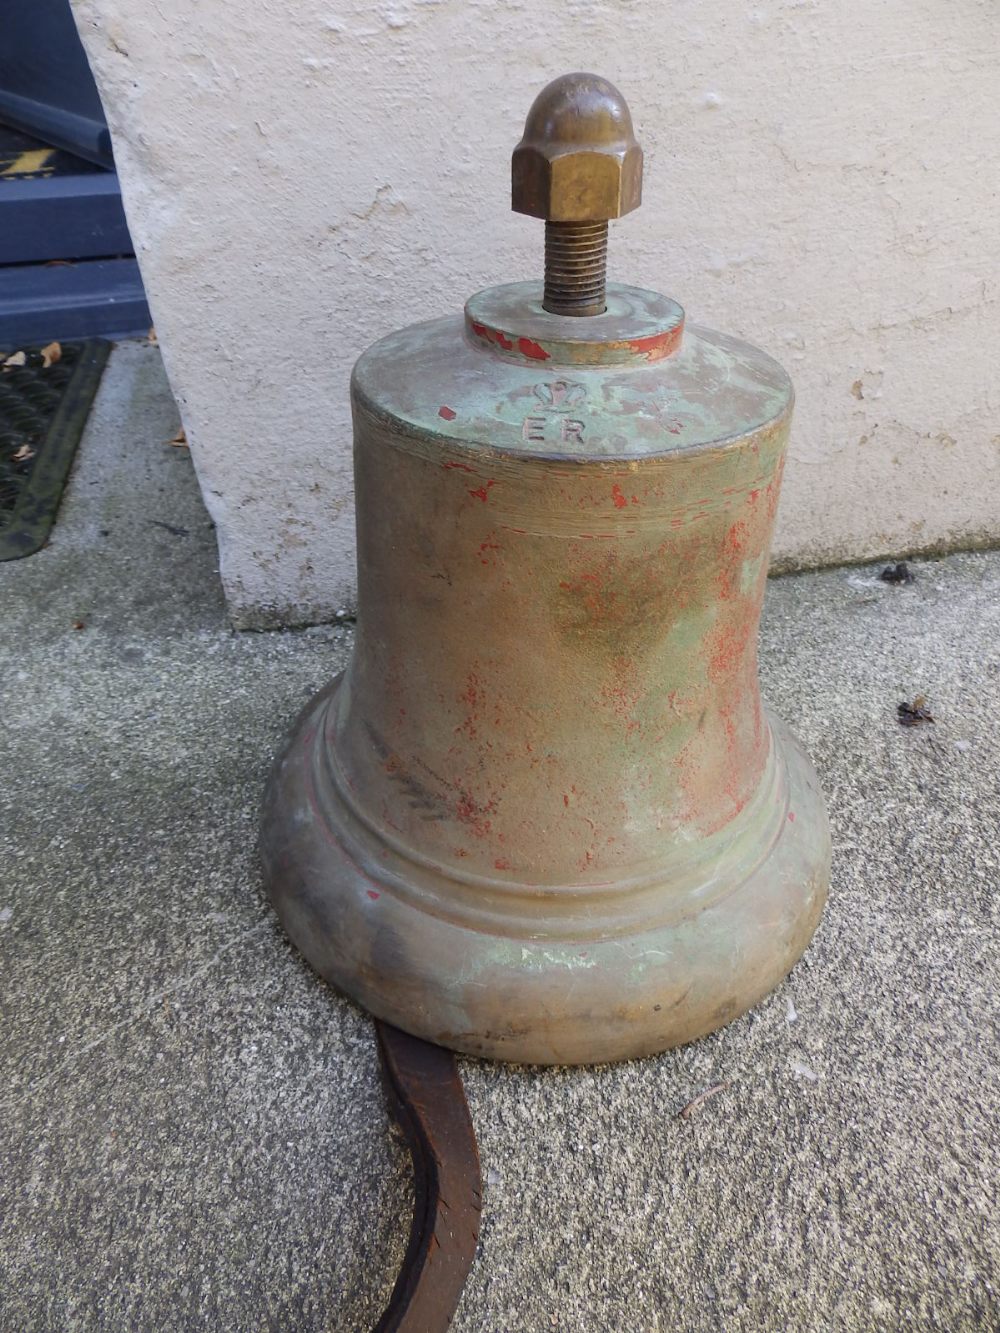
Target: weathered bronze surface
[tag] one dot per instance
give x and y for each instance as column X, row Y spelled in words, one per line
column 544, row 816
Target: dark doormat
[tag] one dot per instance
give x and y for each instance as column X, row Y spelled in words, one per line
column 43, row 409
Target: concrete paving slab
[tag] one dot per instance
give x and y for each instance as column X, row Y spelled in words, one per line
column 192, row 1128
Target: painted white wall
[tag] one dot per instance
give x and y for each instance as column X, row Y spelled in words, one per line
column 821, row 178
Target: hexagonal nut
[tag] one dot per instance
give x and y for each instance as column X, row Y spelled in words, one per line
column 576, row 184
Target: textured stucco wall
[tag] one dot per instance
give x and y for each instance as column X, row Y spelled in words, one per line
column 821, row 178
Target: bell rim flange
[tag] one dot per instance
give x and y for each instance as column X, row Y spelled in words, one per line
column 336, row 917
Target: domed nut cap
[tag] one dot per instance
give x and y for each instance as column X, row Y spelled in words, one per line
column 578, row 160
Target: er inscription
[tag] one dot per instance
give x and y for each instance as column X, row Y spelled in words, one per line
column 556, row 398
column 567, row 429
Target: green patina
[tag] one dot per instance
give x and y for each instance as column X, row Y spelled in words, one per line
column 443, row 382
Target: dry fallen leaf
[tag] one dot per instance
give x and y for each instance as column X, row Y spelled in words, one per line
column 912, row 715
column 899, row 573
column 79, row 624
column 51, row 353
column 23, row 454
column 179, row 441
column 151, row 336
column 15, row 359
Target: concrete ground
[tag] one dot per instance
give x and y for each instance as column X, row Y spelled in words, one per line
column 191, row 1128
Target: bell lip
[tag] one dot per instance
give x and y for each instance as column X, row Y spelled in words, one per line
column 669, row 984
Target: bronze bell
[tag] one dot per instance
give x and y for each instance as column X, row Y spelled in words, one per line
column 543, row 815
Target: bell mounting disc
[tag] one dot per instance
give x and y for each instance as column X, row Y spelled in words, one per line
column 636, row 327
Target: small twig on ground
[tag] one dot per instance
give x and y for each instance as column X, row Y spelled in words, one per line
column 685, row 1111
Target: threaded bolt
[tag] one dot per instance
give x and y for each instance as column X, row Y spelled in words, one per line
column 576, row 267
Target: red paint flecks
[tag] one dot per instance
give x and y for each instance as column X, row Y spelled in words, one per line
column 492, row 336
column 481, row 492
column 735, row 548
column 501, row 863
column 474, row 816
column 463, row 466
column 472, row 697
column 727, row 654
column 589, row 589
column 616, row 495
column 472, row 694
column 657, row 346
column 448, row 413
column 791, row 816
column 490, row 544
column 373, row 895
column 622, row 692
column 736, row 540
column 529, row 348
